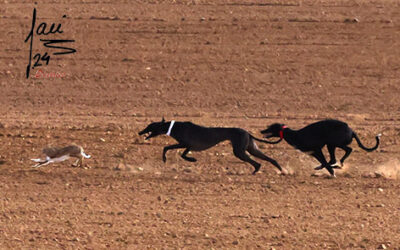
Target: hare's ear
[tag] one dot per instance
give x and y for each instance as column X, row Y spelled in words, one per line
column 163, row 120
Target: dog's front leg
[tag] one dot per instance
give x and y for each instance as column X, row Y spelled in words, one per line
column 175, row 146
column 184, row 156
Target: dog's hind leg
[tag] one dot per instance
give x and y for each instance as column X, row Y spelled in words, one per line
column 191, row 159
column 253, row 150
column 175, row 146
column 348, row 151
column 332, row 161
column 321, row 158
column 241, row 154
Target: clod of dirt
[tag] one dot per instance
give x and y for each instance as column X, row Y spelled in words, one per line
column 372, row 175
column 318, row 174
column 351, row 20
column 122, row 167
column 389, row 169
column 382, row 246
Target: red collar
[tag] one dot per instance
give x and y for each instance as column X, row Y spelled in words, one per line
column 281, row 132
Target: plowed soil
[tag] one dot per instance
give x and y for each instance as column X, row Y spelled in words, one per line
column 216, row 63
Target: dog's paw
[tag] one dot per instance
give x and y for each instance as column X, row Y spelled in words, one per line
column 336, row 165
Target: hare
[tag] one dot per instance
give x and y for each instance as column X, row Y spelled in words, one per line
column 55, row 154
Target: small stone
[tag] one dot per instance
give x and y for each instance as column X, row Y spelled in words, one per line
column 102, row 139
column 382, row 246
column 351, row 20
column 317, row 174
column 235, row 242
column 380, row 190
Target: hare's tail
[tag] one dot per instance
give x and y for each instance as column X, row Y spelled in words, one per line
column 85, row 155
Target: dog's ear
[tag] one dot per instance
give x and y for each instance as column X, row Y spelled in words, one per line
column 163, row 120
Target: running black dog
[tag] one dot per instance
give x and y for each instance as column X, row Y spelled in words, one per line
column 193, row 137
column 312, row 138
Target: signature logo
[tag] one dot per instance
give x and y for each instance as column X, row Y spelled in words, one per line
column 42, row 30
column 41, row 74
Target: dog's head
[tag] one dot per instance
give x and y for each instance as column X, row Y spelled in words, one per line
column 273, row 130
column 155, row 129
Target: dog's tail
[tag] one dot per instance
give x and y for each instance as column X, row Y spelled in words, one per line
column 265, row 141
column 365, row 148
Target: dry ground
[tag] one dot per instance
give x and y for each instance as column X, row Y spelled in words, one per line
column 216, row 63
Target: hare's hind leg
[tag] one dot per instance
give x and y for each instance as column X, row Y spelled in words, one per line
column 81, row 162
column 75, row 164
column 78, row 162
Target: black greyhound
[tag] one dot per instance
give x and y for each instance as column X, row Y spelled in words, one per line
column 193, row 137
column 312, row 138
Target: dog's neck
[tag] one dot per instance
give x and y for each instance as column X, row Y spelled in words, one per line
column 171, row 125
column 281, row 132
column 290, row 136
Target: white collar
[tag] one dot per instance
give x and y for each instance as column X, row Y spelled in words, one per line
column 170, row 128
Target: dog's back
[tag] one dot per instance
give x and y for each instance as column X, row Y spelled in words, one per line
column 200, row 138
column 325, row 132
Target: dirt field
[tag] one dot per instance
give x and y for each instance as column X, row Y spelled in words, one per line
column 217, row 63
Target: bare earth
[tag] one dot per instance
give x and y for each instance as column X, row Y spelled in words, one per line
column 217, row 63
